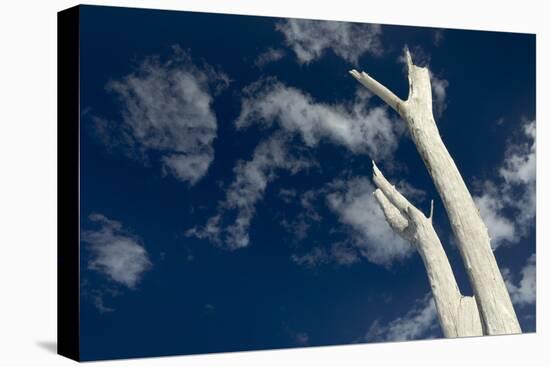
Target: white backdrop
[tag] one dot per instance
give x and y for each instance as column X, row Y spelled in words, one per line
column 28, row 182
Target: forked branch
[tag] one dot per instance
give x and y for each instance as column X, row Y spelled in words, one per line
column 458, row 315
column 471, row 234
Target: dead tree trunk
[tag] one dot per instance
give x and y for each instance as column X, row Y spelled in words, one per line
column 458, row 315
column 492, row 298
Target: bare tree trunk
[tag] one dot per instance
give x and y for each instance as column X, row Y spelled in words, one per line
column 493, row 301
column 458, row 315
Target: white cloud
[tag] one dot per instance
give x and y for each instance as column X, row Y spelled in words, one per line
column 100, row 304
column 97, row 296
column 287, row 195
column 508, row 205
column 419, row 322
column 167, row 108
column 439, row 36
column 115, row 253
column 362, row 130
column 491, row 205
column 269, row 56
column 519, row 164
column 525, row 292
column 315, row 257
column 354, row 203
column 439, row 94
column 358, row 128
column 344, row 254
column 310, row 39
column 340, row 253
column 188, row 167
column 248, row 187
column 369, row 235
column 300, row 226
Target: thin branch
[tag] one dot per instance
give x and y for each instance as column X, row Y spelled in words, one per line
column 408, row 59
column 410, row 67
column 390, row 191
column 458, row 315
column 380, row 90
column 393, row 216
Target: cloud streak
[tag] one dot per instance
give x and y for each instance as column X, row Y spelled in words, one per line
column 340, row 253
column 269, row 56
column 508, row 204
column 360, row 129
column 439, row 94
column 270, row 157
column 525, row 291
column 418, row 323
column 300, row 226
column 311, row 39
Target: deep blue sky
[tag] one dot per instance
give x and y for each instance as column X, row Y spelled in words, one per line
column 198, row 297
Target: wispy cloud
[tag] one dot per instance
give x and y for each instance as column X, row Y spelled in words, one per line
column 301, row 338
column 98, row 298
column 419, row 55
column 269, row 103
column 439, row 94
column 439, row 84
column 368, row 234
column 524, row 292
column 360, row 129
column 269, row 56
column 315, row 257
column 251, row 179
column 115, row 253
column 167, row 109
column 310, row 39
column 308, row 215
column 418, row 323
column 357, row 209
column 508, row 204
column 100, row 305
column 439, row 36
column 287, row 195
column 340, row 253
column 297, row 338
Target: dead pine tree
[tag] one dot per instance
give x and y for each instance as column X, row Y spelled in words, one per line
column 490, row 310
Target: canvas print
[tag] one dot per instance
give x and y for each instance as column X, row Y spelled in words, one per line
column 251, row 183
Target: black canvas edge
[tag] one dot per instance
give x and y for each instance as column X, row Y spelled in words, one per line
column 68, row 183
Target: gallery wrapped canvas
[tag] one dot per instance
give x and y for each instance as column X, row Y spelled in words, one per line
column 236, row 183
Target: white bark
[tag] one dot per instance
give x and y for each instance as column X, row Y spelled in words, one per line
column 492, row 298
column 458, row 315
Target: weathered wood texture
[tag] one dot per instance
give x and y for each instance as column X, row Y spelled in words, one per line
column 492, row 298
column 458, row 315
